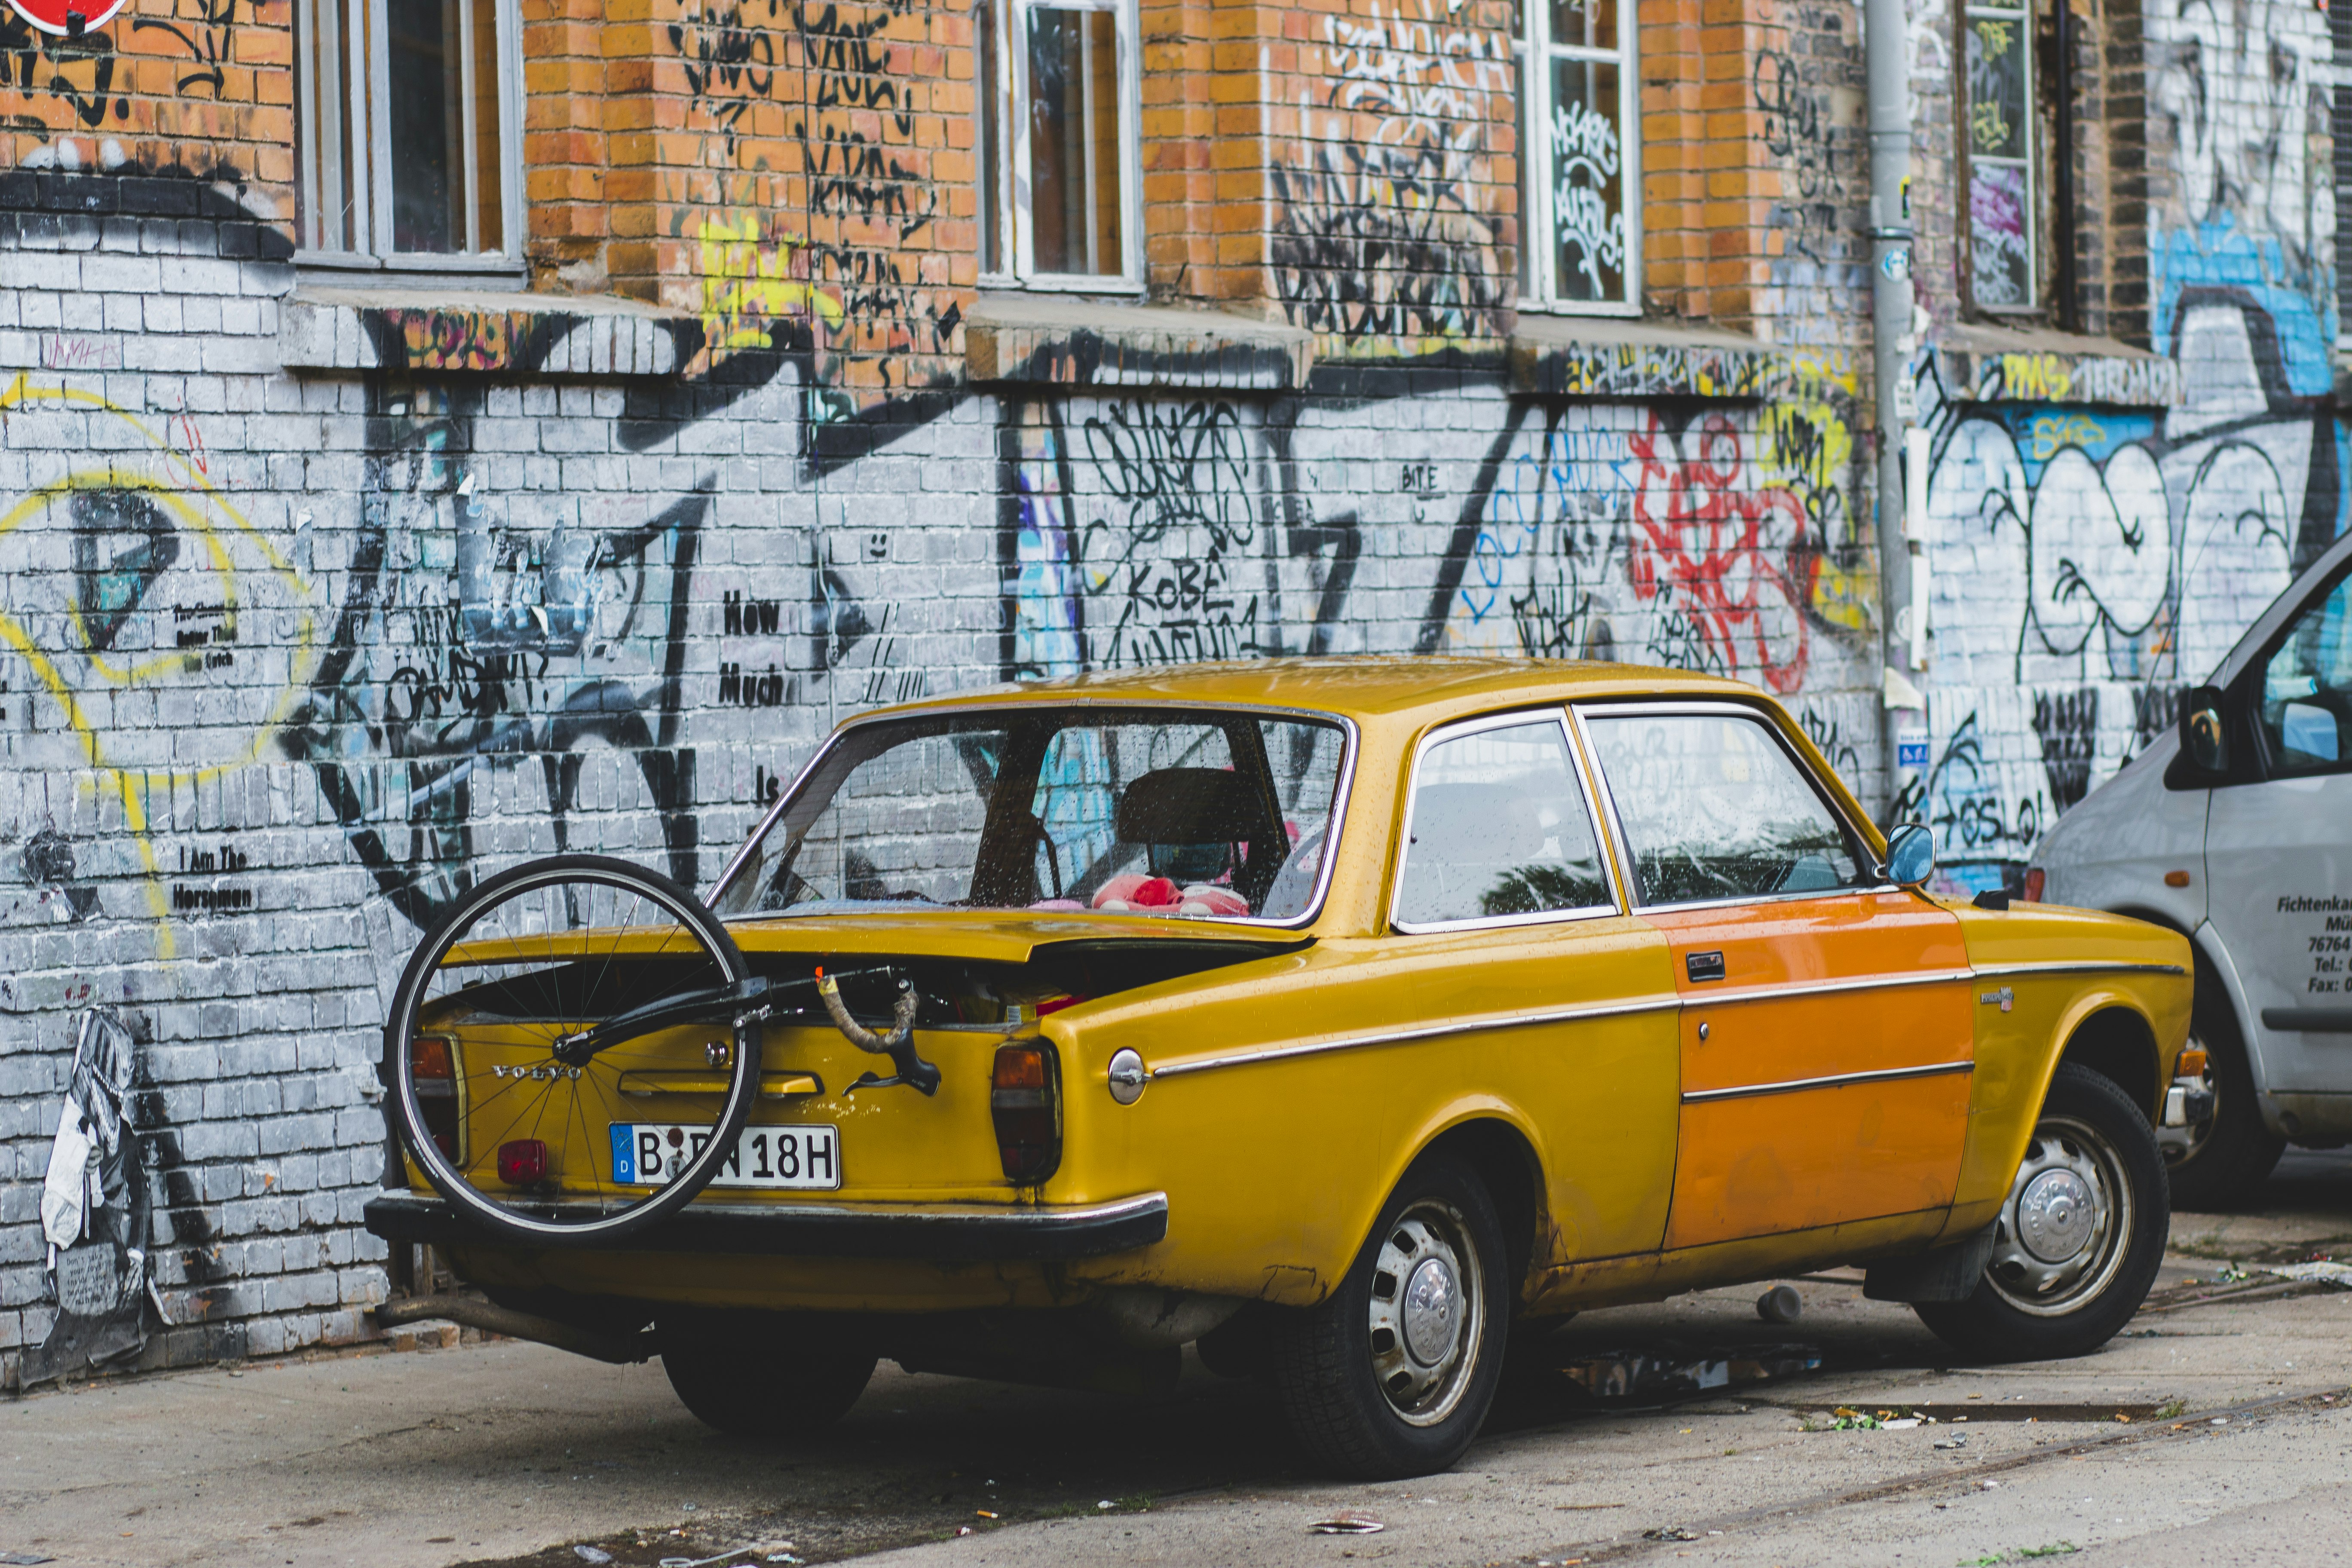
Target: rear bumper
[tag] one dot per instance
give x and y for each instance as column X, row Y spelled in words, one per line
column 944, row 1233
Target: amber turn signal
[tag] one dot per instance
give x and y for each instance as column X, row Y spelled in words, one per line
column 522, row 1162
column 2192, row 1064
column 1025, row 1102
column 2175, row 879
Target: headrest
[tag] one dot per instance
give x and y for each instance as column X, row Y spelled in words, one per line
column 1192, row 805
column 1481, row 824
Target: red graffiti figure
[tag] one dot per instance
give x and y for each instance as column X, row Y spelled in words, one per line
column 1736, row 558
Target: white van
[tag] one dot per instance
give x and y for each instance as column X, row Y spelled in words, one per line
column 2237, row 829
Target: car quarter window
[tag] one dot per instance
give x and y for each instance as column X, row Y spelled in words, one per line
column 1712, row 807
column 1497, row 827
column 2307, row 701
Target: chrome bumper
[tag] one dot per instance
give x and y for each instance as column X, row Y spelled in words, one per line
column 944, row 1233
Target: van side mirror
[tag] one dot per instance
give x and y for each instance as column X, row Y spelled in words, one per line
column 2203, row 740
column 1910, row 855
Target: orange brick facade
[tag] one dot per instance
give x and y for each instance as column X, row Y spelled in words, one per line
column 1353, row 169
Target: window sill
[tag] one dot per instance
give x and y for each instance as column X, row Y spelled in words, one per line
column 1985, row 364
column 399, row 325
column 1055, row 341
column 1598, row 356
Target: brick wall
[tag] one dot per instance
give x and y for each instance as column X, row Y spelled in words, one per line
column 310, row 618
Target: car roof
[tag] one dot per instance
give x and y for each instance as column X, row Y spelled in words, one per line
column 1358, row 686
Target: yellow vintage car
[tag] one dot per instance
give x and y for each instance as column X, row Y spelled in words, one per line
column 1337, row 1018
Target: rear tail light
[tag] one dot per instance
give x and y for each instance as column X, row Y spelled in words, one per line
column 522, row 1162
column 433, row 1069
column 1025, row 1101
column 2035, row 877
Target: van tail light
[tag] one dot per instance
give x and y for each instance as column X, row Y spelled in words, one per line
column 2035, row 877
column 522, row 1162
column 433, row 1069
column 1025, row 1101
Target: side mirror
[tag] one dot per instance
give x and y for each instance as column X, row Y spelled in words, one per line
column 1910, row 855
column 2203, row 740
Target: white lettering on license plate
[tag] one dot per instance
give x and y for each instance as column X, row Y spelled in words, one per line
column 650, row 1154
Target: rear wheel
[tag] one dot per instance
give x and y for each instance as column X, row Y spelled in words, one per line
column 534, row 1025
column 762, row 1374
column 1392, row 1374
column 2079, row 1236
column 2221, row 1161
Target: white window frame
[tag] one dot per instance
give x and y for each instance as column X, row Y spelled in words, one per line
column 321, row 166
column 1536, row 52
column 1004, row 104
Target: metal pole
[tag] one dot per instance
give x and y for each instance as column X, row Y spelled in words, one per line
column 1885, row 40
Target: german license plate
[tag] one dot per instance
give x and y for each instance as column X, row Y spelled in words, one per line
column 648, row 1153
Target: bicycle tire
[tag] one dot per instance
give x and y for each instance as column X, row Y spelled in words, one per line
column 558, row 975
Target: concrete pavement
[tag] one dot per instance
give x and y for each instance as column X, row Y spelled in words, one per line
column 513, row 1453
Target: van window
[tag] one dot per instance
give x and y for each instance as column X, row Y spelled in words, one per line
column 2306, row 704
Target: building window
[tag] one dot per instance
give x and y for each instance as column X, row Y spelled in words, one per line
column 1059, row 147
column 410, row 129
column 1997, row 103
column 1577, row 87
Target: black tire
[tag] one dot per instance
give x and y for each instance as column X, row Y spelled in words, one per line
column 764, row 1374
column 583, row 939
column 2228, row 1158
column 1352, row 1388
column 2093, row 1153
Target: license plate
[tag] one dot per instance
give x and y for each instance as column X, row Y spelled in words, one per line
column 648, row 1153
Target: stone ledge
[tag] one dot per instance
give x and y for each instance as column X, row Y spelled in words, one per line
column 441, row 330
column 1594, row 356
column 1057, row 342
column 1984, row 363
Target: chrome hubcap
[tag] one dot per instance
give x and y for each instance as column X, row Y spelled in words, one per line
column 2063, row 1230
column 1427, row 1310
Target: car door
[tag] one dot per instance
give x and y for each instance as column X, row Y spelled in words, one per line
column 1503, row 911
column 2278, row 851
column 1825, row 1033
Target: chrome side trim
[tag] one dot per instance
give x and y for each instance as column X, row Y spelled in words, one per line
column 1432, row 1032
column 1835, row 1081
column 2069, row 967
column 1700, row 998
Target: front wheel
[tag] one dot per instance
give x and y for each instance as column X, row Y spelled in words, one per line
column 1392, row 1374
column 2079, row 1238
column 2220, row 1163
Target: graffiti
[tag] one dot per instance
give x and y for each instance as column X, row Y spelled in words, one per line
column 207, row 37
column 892, row 327
column 94, row 1208
column 537, row 641
column 1585, row 162
column 1796, row 125
column 748, row 287
column 75, row 74
column 730, row 66
column 1385, row 241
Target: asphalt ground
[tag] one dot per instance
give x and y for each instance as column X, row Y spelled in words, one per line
column 2217, row 1429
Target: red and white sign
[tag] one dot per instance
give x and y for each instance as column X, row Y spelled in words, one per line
column 66, row 18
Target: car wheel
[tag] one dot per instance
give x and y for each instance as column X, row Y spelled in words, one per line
column 2221, row 1161
column 2079, row 1236
column 762, row 1374
column 1392, row 1374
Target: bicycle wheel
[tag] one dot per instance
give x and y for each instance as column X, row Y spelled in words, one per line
column 574, row 1051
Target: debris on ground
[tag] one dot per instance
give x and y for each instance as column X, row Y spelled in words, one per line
column 1347, row 1521
column 1781, row 1304
column 1670, row 1533
column 2324, row 1272
column 591, row 1554
column 1957, row 1440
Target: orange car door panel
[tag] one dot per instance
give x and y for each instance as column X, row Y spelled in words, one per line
column 1825, row 1076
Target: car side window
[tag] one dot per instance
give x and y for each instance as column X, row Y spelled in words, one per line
column 2307, row 702
column 1498, row 826
column 1712, row 807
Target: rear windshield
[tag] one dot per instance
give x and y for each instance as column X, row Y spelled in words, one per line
column 1196, row 812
